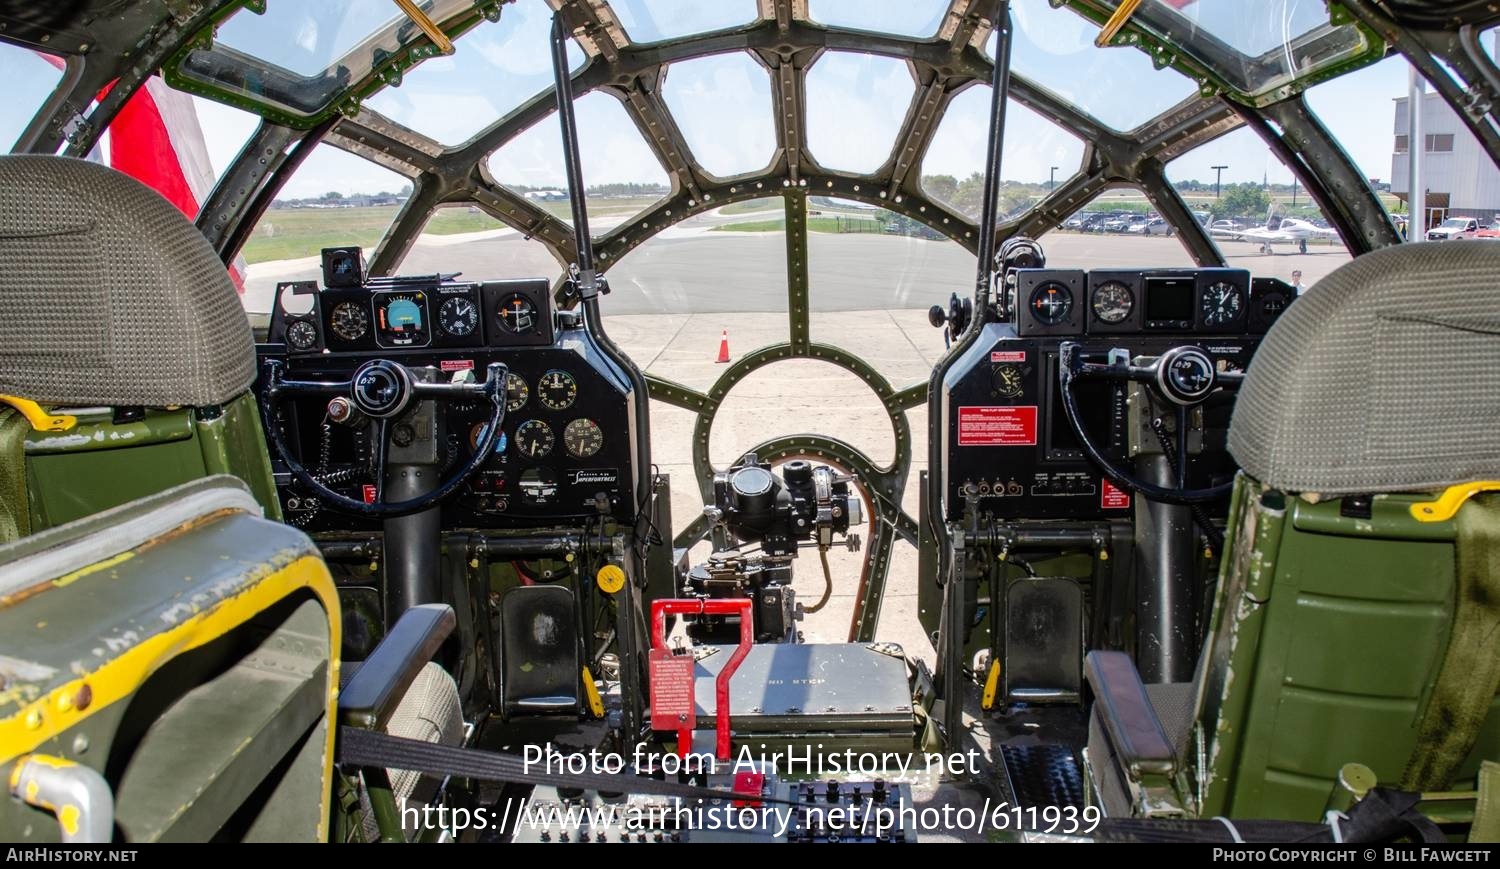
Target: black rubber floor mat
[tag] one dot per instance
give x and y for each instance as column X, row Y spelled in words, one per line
column 1043, row 775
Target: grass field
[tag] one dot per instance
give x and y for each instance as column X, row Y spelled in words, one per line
column 292, row 233
column 814, row 224
column 751, row 206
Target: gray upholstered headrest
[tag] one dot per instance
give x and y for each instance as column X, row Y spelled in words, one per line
column 1383, row 377
column 109, row 296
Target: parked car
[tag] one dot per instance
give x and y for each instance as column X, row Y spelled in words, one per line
column 1491, row 231
column 1150, row 226
column 1096, row 222
column 1118, row 223
column 1225, row 227
column 1080, row 221
column 1454, row 227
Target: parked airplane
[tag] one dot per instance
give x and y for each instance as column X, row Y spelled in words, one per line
column 1282, row 230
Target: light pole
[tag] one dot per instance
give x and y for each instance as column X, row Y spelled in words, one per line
column 1218, row 176
column 1052, row 180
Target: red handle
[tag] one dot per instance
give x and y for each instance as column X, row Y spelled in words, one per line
column 714, row 607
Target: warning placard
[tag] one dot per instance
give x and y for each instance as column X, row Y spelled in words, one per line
column 1009, row 426
column 1008, row 356
column 1112, row 497
column 671, row 690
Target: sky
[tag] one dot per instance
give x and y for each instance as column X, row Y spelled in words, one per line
column 722, row 103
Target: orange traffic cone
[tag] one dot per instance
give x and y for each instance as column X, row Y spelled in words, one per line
column 723, row 347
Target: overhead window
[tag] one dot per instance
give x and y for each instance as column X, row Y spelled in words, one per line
column 722, row 105
column 855, row 105
column 916, row 18
column 656, row 20
column 1119, row 86
column 494, row 68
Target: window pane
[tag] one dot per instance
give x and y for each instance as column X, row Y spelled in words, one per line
column 226, row 129
column 622, row 175
column 827, row 400
column 655, row 20
column 722, row 105
column 671, row 298
column 920, row 18
column 855, row 105
column 496, row 67
column 1260, row 219
column 1117, row 229
column 305, row 38
column 873, row 274
column 1365, row 111
column 1254, row 28
column 463, row 238
column 30, row 77
column 333, row 199
column 1120, row 85
column 1037, row 154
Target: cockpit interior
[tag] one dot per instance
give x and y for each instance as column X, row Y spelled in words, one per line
column 749, row 421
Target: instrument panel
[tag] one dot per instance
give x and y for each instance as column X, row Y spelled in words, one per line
column 409, row 313
column 1072, row 302
column 567, row 444
column 1007, row 439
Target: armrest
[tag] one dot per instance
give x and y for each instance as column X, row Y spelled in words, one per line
column 371, row 695
column 1129, row 719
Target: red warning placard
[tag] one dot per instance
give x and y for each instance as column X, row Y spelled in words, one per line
column 997, row 426
column 1112, row 497
column 671, row 690
column 1008, row 356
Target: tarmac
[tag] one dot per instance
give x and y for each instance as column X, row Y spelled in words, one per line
column 672, row 298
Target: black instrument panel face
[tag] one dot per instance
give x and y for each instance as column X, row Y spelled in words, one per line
column 1008, row 444
column 414, row 313
column 567, row 440
column 1208, row 301
column 1008, row 436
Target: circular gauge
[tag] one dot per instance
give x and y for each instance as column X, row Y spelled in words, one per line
column 458, row 317
column 534, row 439
column 517, row 313
column 1051, row 303
column 349, row 321
column 1008, row 381
column 557, row 390
column 477, row 431
column 583, row 438
column 1222, row 304
column 302, row 335
column 516, row 392
column 1113, row 302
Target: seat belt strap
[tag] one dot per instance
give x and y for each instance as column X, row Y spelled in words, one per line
column 1469, row 675
column 15, row 506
